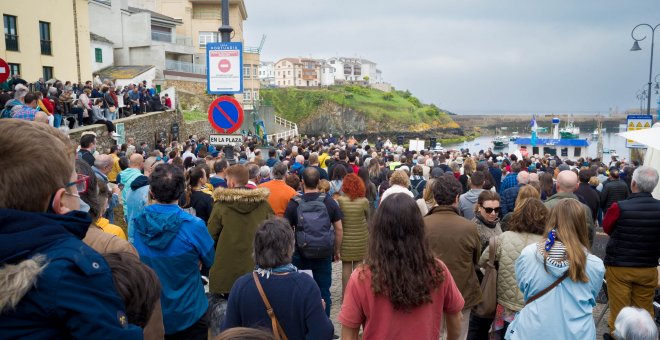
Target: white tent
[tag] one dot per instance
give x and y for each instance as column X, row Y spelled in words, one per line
column 650, row 137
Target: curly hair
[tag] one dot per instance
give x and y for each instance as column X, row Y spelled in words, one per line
column 353, row 186
column 397, row 232
column 445, row 189
column 529, row 216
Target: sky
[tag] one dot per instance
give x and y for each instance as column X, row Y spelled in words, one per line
column 477, row 56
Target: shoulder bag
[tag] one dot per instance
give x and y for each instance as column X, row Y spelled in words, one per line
column 488, row 305
column 547, row 289
column 278, row 331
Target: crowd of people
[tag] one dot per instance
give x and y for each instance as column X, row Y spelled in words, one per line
column 180, row 241
column 67, row 104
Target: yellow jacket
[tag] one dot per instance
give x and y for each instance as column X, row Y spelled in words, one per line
column 112, row 176
column 104, row 224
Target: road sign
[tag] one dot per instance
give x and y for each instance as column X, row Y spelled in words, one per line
column 224, row 67
column 638, row 122
column 226, row 140
column 4, row 70
column 225, row 114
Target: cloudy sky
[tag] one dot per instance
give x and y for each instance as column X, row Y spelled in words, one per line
column 476, row 56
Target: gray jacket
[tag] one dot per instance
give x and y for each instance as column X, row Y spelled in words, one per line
column 467, row 201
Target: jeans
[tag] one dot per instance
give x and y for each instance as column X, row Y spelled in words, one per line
column 109, row 116
column 322, row 271
column 58, row 120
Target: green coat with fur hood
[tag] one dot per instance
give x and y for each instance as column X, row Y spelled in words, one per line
column 236, row 214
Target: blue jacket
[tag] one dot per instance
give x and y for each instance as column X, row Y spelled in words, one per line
column 510, row 181
column 565, row 312
column 73, row 295
column 496, row 172
column 136, row 199
column 126, row 177
column 508, row 199
column 173, row 242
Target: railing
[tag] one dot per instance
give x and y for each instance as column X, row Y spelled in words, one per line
column 182, row 66
column 186, row 41
column 291, row 132
column 11, row 42
column 160, row 36
column 46, row 47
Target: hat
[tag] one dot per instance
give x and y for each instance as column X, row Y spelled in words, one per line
column 459, row 160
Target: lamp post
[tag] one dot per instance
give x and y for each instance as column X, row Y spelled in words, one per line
column 641, row 96
column 636, row 47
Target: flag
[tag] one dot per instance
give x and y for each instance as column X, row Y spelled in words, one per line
column 534, row 128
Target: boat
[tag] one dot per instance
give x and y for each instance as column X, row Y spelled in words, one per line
column 500, row 141
column 542, row 129
column 570, row 131
column 514, row 136
column 594, row 135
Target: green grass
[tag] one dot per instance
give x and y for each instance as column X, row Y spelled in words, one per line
column 194, row 116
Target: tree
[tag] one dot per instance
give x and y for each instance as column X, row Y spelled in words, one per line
column 366, row 79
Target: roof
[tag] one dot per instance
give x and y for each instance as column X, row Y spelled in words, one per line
column 99, row 38
column 123, row 72
column 555, row 142
column 154, row 15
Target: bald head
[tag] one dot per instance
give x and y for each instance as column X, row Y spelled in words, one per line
column 150, row 164
column 136, row 161
column 567, row 181
column 104, row 163
column 41, row 117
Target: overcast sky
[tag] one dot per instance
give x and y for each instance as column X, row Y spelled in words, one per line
column 481, row 56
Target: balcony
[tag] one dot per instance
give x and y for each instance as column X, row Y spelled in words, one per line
column 46, row 47
column 11, row 42
column 160, row 36
column 182, row 66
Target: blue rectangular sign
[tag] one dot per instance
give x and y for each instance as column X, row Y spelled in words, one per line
column 224, row 68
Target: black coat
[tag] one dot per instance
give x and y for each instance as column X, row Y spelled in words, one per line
column 590, row 197
column 613, row 191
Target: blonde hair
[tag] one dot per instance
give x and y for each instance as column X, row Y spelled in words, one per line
column 527, row 191
column 324, row 186
column 399, row 177
column 428, row 193
column 567, row 218
column 469, row 166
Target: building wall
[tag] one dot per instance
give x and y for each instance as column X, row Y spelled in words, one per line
column 251, row 84
column 107, row 55
column 99, row 17
column 59, row 13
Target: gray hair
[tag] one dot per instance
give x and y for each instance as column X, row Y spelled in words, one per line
column 646, row 178
column 20, row 91
column 253, row 170
column 635, row 324
column 103, row 161
column 420, row 160
column 273, row 243
column 523, row 177
column 264, row 171
column 279, row 170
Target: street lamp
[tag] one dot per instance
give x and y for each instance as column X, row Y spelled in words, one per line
column 636, row 47
column 641, row 96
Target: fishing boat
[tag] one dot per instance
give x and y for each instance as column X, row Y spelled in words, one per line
column 570, row 131
column 514, row 136
column 500, row 141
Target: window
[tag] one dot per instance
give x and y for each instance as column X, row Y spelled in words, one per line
column 210, row 12
column 15, row 69
column 535, row 150
column 255, row 71
column 98, row 54
column 48, row 72
column 11, row 34
column 289, row 72
column 577, row 152
column 564, row 152
column 159, row 33
column 247, row 95
column 256, row 95
column 44, row 36
column 246, row 71
column 207, row 37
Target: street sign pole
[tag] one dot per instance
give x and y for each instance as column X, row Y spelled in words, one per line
column 225, row 36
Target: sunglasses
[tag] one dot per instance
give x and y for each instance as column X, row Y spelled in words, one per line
column 81, row 183
column 490, row 210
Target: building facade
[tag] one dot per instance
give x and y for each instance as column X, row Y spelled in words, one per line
column 48, row 39
column 299, row 72
column 267, row 73
column 102, row 54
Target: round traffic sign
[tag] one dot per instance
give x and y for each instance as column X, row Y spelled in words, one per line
column 4, row 70
column 224, row 65
column 225, row 114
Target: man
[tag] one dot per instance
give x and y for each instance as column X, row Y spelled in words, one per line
column 218, row 179
column 137, row 195
column 511, row 179
column 87, row 148
column 314, row 163
column 321, row 268
column 588, row 194
column 134, row 98
column 614, row 189
column 237, row 212
column 342, row 161
column 28, row 110
column 174, row 243
column 632, row 252
column 54, row 286
column 253, row 176
column 40, row 86
column 102, row 167
column 510, row 195
column 455, row 241
column 496, row 172
column 128, row 175
column 567, row 184
column 272, row 158
column 280, row 192
column 468, row 200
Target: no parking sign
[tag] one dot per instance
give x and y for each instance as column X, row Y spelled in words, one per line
column 225, row 114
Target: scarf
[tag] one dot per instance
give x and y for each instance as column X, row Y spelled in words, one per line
column 490, row 225
column 286, row 268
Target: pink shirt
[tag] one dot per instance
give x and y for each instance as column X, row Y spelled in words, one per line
column 379, row 319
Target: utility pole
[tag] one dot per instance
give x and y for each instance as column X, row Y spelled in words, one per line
column 225, row 36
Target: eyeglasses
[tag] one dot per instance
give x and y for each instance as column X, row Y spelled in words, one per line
column 491, row 210
column 82, row 183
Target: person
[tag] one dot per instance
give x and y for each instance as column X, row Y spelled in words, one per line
column 632, row 252
column 371, row 192
column 137, row 195
column 126, row 178
column 28, row 110
column 468, row 200
column 109, row 105
column 525, row 192
column 53, row 284
column 173, row 243
column 87, row 148
column 219, row 177
column 388, row 307
column 199, row 202
column 328, row 224
column 427, row 201
column 567, row 183
column 455, row 241
column 294, row 296
column 614, row 190
column 15, row 104
column 280, row 192
column 469, row 166
column 399, row 183
column 98, row 117
column 527, row 226
column 244, row 333
column 510, row 195
column 589, row 195
column 563, row 264
column 417, row 181
column 496, row 173
column 168, row 101
column 236, row 214
column 511, row 179
column 314, row 162
column 354, row 207
column 337, row 175
column 486, row 216
column 548, row 187
column 635, row 323
column 103, row 166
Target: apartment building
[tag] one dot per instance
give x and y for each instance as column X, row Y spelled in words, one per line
column 48, row 39
column 355, row 70
column 267, row 73
column 298, row 72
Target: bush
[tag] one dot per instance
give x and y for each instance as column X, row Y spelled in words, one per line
column 414, row 101
column 388, row 96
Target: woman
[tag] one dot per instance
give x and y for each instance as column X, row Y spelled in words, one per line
column 417, row 181
column 336, row 179
column 399, row 183
column 355, row 208
column 527, row 226
column 525, row 192
column 486, row 216
column 564, row 312
column 194, row 198
column 427, row 201
column 469, row 167
column 547, row 185
column 294, row 297
column 86, row 105
column 99, row 118
column 384, row 304
column 370, row 188
column 108, row 104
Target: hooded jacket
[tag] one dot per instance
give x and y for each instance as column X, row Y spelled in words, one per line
column 467, row 201
column 54, row 286
column 236, row 214
column 136, row 199
column 173, row 242
column 126, row 177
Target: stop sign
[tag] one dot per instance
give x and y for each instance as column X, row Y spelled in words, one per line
column 4, row 71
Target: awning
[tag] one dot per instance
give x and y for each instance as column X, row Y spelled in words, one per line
column 649, row 137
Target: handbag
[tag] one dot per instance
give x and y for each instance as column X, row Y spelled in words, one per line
column 278, row 331
column 488, row 305
column 547, row 289
column 111, row 108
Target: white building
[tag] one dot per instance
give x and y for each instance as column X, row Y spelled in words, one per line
column 327, row 74
column 298, row 72
column 102, row 52
column 267, row 73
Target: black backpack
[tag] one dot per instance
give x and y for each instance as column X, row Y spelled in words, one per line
column 315, row 234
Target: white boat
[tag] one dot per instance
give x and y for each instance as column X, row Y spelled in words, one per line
column 594, row 135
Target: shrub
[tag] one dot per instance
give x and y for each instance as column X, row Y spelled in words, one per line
column 388, row 96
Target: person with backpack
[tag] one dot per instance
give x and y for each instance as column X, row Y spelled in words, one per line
column 316, row 218
column 417, row 181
